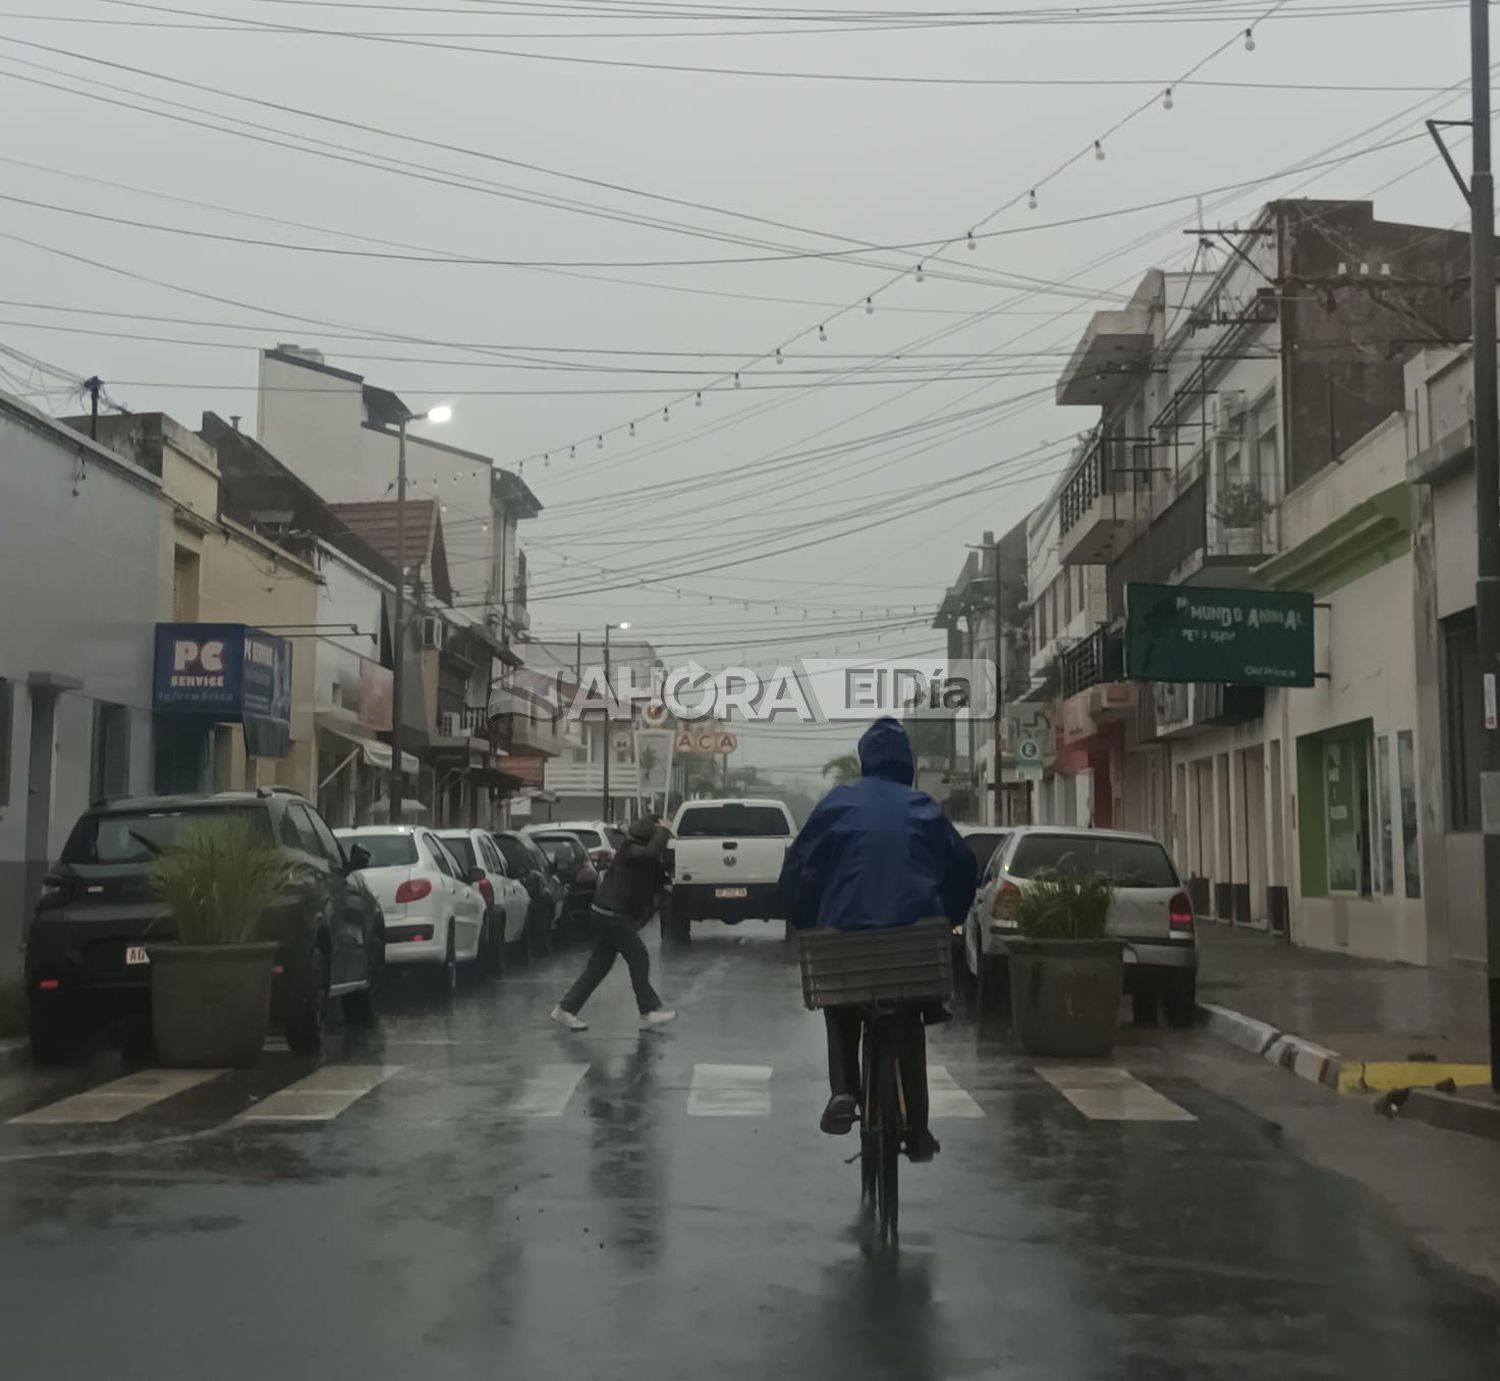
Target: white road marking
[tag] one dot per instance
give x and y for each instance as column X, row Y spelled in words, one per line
column 546, row 1093
column 322, row 1096
column 1107, row 1093
column 946, row 1098
column 730, row 1091
column 110, row 1102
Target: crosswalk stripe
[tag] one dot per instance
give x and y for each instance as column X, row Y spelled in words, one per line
column 546, row 1093
column 946, row 1097
column 1107, row 1093
column 322, row 1096
column 113, row 1101
column 730, row 1091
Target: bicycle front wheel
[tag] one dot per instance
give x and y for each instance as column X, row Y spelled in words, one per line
column 887, row 1146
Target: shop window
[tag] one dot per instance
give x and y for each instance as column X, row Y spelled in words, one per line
column 1463, row 720
column 1346, row 802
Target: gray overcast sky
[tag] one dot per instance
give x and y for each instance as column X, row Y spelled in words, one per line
column 879, row 163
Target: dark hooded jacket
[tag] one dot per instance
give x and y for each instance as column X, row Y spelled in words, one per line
column 630, row 883
column 877, row 852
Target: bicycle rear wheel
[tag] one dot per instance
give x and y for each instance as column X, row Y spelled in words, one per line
column 887, row 1138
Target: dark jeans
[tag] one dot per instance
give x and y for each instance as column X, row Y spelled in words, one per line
column 844, row 1025
column 614, row 935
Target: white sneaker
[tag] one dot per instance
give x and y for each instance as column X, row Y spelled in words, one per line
column 571, row 1020
column 660, row 1017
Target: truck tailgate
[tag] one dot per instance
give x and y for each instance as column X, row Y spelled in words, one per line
column 728, row 861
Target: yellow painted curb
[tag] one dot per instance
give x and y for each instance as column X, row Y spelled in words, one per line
column 1380, row 1076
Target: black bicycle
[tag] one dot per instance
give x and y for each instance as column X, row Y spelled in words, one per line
column 883, row 1125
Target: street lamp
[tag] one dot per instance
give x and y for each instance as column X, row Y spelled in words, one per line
column 441, row 413
column 609, row 628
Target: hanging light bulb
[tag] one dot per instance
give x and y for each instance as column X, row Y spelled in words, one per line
column 1166, row 99
column 736, row 380
column 698, row 401
column 779, row 357
column 869, row 306
column 823, row 332
column 600, row 442
column 666, row 414
column 1031, row 200
column 920, row 274
column 1099, row 151
column 572, row 453
column 547, row 461
column 973, row 244
column 1249, row 40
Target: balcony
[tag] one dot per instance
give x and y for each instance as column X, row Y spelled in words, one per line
column 1104, row 504
column 1114, row 352
column 523, row 734
column 587, row 778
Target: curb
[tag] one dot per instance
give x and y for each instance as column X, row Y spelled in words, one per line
column 13, row 1056
column 1452, row 1113
column 1304, row 1058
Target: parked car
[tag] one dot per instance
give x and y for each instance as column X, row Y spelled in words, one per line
column 433, row 913
column 1150, row 910
column 984, row 842
column 505, row 897
column 524, row 859
column 725, row 862
column 600, row 839
column 573, row 868
column 86, row 955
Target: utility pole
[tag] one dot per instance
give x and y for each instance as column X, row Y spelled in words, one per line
column 1486, row 496
column 999, row 693
column 608, row 813
column 398, row 631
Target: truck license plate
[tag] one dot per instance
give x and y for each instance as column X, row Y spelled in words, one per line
column 721, row 892
column 136, row 954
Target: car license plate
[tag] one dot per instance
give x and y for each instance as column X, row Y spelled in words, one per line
column 136, row 954
column 720, row 892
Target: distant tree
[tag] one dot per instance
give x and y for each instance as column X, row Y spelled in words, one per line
column 843, row 769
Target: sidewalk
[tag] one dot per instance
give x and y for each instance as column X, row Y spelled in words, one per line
column 1358, row 1025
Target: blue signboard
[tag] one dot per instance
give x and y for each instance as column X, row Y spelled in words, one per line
column 227, row 671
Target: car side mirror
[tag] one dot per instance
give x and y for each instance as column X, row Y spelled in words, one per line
column 357, row 858
column 476, row 875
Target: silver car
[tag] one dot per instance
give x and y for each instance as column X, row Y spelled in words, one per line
column 1150, row 911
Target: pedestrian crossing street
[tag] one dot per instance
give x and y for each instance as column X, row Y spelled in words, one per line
column 1098, row 1092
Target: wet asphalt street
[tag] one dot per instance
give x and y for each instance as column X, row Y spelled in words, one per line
column 471, row 1192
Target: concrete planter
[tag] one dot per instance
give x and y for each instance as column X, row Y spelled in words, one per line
column 211, row 1004
column 1065, row 995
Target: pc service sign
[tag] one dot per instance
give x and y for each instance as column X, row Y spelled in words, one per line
column 228, row 672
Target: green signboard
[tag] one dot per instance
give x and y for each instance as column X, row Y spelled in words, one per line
column 1247, row 637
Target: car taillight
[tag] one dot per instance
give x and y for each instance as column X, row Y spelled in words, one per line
column 414, row 889
column 1007, row 899
column 487, row 891
column 56, row 891
column 49, row 985
column 1180, row 914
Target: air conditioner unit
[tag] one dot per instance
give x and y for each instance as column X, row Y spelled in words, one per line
column 450, row 724
column 434, row 633
column 1231, row 409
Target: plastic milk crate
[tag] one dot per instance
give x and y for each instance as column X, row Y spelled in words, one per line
column 906, row 963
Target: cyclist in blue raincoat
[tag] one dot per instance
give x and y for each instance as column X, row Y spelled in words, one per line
column 877, row 853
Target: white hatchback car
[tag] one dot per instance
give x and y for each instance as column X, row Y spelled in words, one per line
column 433, row 913
column 505, row 897
column 1149, row 910
column 984, row 843
column 602, row 841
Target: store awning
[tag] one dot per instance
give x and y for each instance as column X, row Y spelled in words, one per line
column 376, row 753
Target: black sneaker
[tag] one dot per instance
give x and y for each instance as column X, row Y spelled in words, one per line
column 921, row 1147
column 838, row 1116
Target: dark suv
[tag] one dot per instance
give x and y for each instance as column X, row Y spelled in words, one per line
column 86, row 946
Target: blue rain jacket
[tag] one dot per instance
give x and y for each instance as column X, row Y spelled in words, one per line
column 877, row 852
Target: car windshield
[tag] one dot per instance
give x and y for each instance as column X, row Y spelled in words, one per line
column 983, row 846
column 139, row 837
column 590, row 839
column 732, row 822
column 1125, row 862
column 462, row 848
column 385, row 850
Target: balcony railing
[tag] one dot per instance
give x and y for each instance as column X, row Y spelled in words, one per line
column 1091, row 661
column 1087, row 483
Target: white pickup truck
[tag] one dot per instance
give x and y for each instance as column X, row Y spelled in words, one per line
column 725, row 861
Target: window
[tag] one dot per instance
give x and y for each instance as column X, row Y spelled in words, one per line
column 7, row 731
column 518, row 862
column 462, row 848
column 140, row 836
column 185, row 567
column 492, row 858
column 1382, row 777
column 109, row 769
column 733, row 822
column 328, row 846
column 588, row 838
column 1463, row 719
column 1125, row 862
column 307, row 837
column 442, row 860
column 1406, row 769
column 291, row 836
column 386, row 850
column 1067, row 611
column 983, row 846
